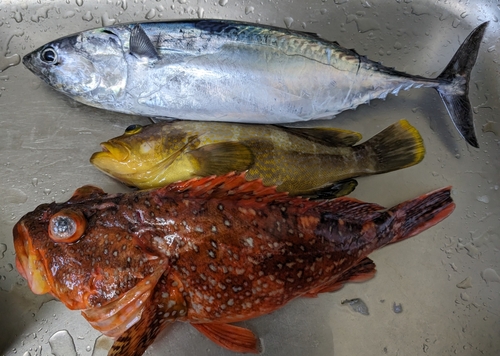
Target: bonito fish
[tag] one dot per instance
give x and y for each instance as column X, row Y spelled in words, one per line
column 317, row 162
column 214, row 70
column 209, row 251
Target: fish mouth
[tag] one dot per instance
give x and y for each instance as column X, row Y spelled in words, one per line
column 110, row 151
column 28, row 261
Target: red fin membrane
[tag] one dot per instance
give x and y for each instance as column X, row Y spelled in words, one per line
column 362, row 272
column 161, row 309
column 234, row 338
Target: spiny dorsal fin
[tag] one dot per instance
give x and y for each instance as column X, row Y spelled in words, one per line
column 327, row 136
column 140, row 44
column 221, row 158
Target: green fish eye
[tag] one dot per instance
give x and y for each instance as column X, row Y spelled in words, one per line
column 133, row 129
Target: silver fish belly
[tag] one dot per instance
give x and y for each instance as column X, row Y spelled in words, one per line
column 229, row 71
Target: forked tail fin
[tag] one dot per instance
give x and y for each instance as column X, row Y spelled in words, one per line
column 454, row 86
column 419, row 214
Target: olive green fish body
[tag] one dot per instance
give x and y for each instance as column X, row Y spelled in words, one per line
column 298, row 161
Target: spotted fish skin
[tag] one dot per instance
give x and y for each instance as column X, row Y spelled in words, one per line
column 208, row 251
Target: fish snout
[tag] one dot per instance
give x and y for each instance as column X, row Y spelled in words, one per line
column 28, row 263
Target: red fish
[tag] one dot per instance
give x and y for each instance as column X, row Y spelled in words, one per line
column 210, row 251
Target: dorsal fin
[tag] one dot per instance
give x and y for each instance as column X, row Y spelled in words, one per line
column 87, row 192
column 140, row 44
column 327, row 136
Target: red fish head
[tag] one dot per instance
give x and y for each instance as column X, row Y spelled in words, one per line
column 84, row 256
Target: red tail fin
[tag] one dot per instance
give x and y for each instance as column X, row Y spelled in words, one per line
column 421, row 213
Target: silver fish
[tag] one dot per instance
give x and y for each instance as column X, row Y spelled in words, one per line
column 230, row 71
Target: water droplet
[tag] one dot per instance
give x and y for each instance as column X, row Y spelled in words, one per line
column 357, row 305
column 88, row 16
column 47, row 191
column 62, row 344
column 88, row 348
column 12, row 60
column 491, row 48
column 490, row 275
column 249, row 10
column 466, row 283
column 200, row 12
column 18, row 16
column 34, row 181
column 106, row 20
column 397, row 308
column 27, row 353
column 3, row 248
column 68, row 14
column 9, row 267
column 101, row 346
column 124, row 4
column 288, row 21
column 13, row 196
column 151, row 14
column 483, row 199
column 464, row 14
column 223, row 2
column 79, row 2
column 182, row 1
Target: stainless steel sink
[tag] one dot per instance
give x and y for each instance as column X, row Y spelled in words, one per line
column 46, row 141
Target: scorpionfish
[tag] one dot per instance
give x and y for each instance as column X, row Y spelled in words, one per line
column 208, row 251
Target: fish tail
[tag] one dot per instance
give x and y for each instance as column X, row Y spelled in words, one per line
column 398, row 146
column 419, row 214
column 454, row 85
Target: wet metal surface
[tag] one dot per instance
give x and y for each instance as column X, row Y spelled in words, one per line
column 446, row 278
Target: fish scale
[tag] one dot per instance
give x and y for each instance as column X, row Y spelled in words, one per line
column 216, row 70
column 209, row 251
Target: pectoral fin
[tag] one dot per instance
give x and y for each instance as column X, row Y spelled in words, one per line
column 231, row 337
column 162, row 309
column 222, row 158
column 333, row 190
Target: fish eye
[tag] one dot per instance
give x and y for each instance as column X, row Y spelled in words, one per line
column 133, row 129
column 67, row 226
column 49, row 55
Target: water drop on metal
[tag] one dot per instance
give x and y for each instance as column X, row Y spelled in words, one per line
column 102, row 345
column 223, row 2
column 151, row 14
column 62, row 344
column 3, row 248
column 79, row 2
column 288, row 21
column 249, row 10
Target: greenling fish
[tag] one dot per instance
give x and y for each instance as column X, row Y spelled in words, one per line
column 215, row 70
column 209, row 252
column 318, row 162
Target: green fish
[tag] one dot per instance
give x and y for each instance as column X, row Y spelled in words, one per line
column 312, row 162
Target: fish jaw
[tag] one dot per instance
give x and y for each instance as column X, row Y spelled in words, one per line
column 28, row 261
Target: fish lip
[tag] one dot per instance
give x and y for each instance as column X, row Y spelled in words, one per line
column 115, row 150
column 28, row 261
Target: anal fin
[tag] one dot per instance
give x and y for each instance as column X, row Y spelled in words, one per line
column 332, row 190
column 361, row 272
column 231, row 337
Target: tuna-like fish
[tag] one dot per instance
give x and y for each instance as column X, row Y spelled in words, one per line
column 209, row 251
column 318, row 162
column 230, row 71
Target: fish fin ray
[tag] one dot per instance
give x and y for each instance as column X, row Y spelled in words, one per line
column 454, row 86
column 398, row 146
column 363, row 271
column 231, row 337
column 421, row 213
column 221, row 158
column 140, row 44
column 331, row 137
column 156, row 316
column 332, row 190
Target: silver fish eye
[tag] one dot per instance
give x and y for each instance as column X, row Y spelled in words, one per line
column 63, row 226
column 49, row 55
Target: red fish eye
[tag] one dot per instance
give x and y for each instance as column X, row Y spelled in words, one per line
column 67, row 226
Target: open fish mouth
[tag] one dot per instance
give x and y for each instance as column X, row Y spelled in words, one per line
column 28, row 261
column 114, row 151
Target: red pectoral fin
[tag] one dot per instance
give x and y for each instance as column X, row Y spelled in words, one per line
column 161, row 309
column 231, row 337
column 362, row 272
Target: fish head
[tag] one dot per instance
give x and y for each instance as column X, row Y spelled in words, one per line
column 88, row 66
column 144, row 156
column 81, row 254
